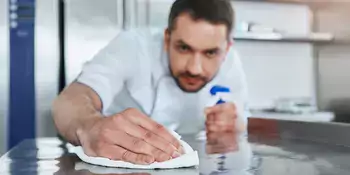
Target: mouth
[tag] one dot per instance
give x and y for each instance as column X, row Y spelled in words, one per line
column 190, row 83
column 192, row 80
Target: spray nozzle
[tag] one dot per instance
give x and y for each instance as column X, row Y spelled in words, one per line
column 217, row 90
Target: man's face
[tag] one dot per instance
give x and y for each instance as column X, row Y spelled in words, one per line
column 196, row 50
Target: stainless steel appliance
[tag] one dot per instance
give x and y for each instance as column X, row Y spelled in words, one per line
column 4, row 72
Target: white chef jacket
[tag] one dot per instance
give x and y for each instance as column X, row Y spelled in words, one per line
column 132, row 71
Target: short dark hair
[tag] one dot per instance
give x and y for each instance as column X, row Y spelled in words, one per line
column 213, row 11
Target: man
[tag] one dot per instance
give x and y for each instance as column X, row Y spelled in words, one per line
column 144, row 84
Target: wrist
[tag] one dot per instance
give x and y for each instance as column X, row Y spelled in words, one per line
column 85, row 126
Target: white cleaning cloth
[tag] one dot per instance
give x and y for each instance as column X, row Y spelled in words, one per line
column 189, row 159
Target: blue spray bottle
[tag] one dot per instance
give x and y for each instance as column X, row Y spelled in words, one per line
column 218, row 93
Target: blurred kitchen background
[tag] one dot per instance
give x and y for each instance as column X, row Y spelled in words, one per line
column 296, row 54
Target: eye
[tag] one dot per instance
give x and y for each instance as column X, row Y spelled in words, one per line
column 211, row 53
column 183, row 48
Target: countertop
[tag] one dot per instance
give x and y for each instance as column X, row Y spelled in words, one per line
column 306, row 117
column 271, row 147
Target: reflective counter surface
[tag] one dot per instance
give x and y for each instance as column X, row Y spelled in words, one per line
column 272, row 147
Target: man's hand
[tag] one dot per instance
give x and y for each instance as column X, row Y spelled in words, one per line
column 223, row 118
column 129, row 136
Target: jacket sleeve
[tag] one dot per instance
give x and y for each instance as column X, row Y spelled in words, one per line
column 109, row 69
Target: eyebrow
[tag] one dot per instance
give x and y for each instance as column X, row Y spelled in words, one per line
column 181, row 42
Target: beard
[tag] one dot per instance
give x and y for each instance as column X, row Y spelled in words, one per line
column 187, row 74
column 204, row 81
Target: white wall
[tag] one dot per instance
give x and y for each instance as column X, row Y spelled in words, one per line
column 4, row 73
column 277, row 69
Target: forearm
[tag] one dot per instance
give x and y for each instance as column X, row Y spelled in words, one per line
column 75, row 107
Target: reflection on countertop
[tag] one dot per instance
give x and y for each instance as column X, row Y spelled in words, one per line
column 272, row 147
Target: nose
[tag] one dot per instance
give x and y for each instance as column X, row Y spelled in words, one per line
column 194, row 65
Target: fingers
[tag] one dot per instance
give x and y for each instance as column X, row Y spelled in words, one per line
column 220, row 123
column 211, row 118
column 220, row 127
column 220, row 107
column 144, row 121
column 221, row 112
column 135, row 145
column 147, row 136
column 115, row 152
column 221, row 117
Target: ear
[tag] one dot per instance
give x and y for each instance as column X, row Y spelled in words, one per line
column 229, row 45
column 166, row 39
